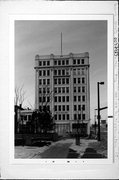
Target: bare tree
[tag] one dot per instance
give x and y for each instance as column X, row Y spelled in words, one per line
column 19, row 95
column 45, row 97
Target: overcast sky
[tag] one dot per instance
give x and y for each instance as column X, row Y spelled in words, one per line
column 43, row 38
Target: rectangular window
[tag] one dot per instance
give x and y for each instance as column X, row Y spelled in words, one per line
column 74, row 80
column 63, row 107
column 67, row 116
column 83, row 107
column 63, row 81
column 59, row 107
column 67, row 80
column 48, row 90
column 40, row 99
column 48, row 99
column 59, row 89
column 63, row 72
column 67, row 62
column 59, row 81
column 48, row 81
column 55, row 116
column 55, row 81
column 75, row 108
column 75, row 116
column 59, row 62
column 75, row 98
column 74, row 89
column 40, row 73
column 79, row 98
column 59, row 99
column 48, row 63
column 67, row 89
column 63, row 116
column 55, row 108
column 55, row 90
column 44, row 81
column 55, row 72
column 83, row 80
column 67, row 107
column 78, row 80
column 40, row 90
column 79, row 89
column 44, row 90
column 63, row 62
column 55, row 62
column 79, row 116
column 44, row 73
column 83, row 98
column 83, row 116
column 40, row 81
column 48, row 72
column 59, row 116
column 63, row 98
column 83, row 89
column 44, row 99
column 79, row 107
column 59, row 72
column 82, row 61
column 78, row 61
column 67, row 97
column 55, row 99
column 74, row 61
column 63, row 90
column 40, row 63
column 44, row 63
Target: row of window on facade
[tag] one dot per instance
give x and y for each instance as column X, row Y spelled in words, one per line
column 66, row 98
column 67, row 117
column 58, row 90
column 44, row 81
column 66, row 80
column 61, row 117
column 78, row 89
column 61, row 81
column 62, row 72
column 44, row 90
column 66, row 108
column 61, row 62
column 79, row 80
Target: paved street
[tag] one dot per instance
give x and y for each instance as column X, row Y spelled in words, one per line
column 58, row 150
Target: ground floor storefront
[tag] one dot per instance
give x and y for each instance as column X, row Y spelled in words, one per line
column 63, row 128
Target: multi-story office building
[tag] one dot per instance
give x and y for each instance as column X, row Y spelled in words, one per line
column 62, row 84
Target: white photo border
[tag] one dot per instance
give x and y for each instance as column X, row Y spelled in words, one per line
column 10, row 167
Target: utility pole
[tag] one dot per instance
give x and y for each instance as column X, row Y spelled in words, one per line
column 98, row 93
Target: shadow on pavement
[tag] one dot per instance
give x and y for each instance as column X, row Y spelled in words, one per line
column 91, row 153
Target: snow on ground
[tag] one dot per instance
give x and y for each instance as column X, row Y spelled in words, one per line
column 28, row 151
